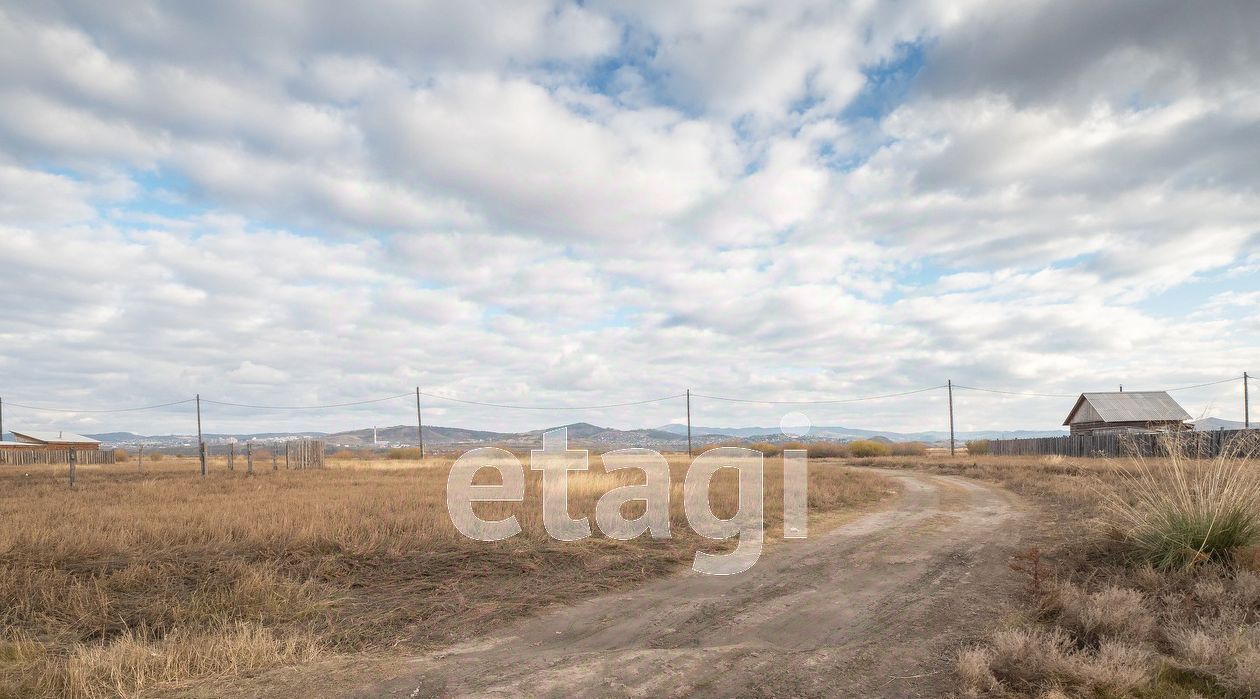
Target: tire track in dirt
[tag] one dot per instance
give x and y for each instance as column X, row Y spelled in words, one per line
column 874, row 607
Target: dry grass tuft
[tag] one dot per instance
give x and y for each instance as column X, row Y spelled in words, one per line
column 1027, row 660
column 1112, row 612
column 974, row 672
column 1181, row 512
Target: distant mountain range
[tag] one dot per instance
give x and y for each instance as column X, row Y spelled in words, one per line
column 850, row 433
column 585, row 434
column 581, row 433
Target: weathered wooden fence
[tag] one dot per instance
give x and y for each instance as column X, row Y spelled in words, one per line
column 304, row 453
column 1198, row 444
column 29, row 457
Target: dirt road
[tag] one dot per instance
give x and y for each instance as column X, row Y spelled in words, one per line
column 872, row 608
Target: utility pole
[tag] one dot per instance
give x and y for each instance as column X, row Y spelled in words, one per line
column 201, row 444
column 689, row 422
column 949, row 384
column 1246, row 404
column 419, row 425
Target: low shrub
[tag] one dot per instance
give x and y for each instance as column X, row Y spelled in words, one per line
column 121, row 456
column 864, row 448
column 403, row 453
column 977, row 447
column 827, row 450
column 909, row 449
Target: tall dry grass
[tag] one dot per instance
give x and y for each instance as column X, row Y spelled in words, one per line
column 1180, row 511
column 136, row 579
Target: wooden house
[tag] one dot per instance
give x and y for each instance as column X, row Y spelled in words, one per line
column 1126, row 411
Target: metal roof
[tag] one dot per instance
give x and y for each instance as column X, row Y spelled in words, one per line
column 1131, row 406
column 58, row 437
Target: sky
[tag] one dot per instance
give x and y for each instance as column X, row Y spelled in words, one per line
column 574, row 204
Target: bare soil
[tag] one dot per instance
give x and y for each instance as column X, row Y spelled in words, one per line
column 876, row 607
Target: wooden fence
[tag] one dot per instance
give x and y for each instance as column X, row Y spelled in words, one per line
column 30, row 457
column 1197, row 444
column 304, row 453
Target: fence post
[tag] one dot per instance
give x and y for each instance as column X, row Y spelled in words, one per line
column 286, row 456
column 249, row 458
column 232, row 456
column 201, row 444
column 274, row 467
column 689, row 422
column 419, row 426
column 73, row 458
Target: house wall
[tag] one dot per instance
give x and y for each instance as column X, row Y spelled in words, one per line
column 51, row 446
column 1086, row 414
column 78, row 446
column 1100, row 427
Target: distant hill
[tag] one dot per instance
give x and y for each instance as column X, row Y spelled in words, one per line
column 114, row 437
column 1216, row 423
column 406, row 434
column 585, row 431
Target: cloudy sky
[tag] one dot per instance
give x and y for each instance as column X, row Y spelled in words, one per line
column 554, row 203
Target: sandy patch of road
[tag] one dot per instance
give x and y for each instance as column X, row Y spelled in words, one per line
column 874, row 607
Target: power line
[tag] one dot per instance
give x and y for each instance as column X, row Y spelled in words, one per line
column 1017, row 393
column 111, row 410
column 1074, row 395
column 818, row 402
column 1201, row 385
column 306, row 407
column 553, row 407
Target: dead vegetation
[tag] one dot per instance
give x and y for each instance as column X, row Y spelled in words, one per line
column 861, row 448
column 1149, row 585
column 138, row 579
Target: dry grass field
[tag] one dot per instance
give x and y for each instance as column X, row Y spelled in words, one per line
column 159, row 579
column 1146, row 582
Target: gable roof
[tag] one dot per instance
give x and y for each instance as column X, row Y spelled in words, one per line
column 55, row 437
column 1128, row 406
